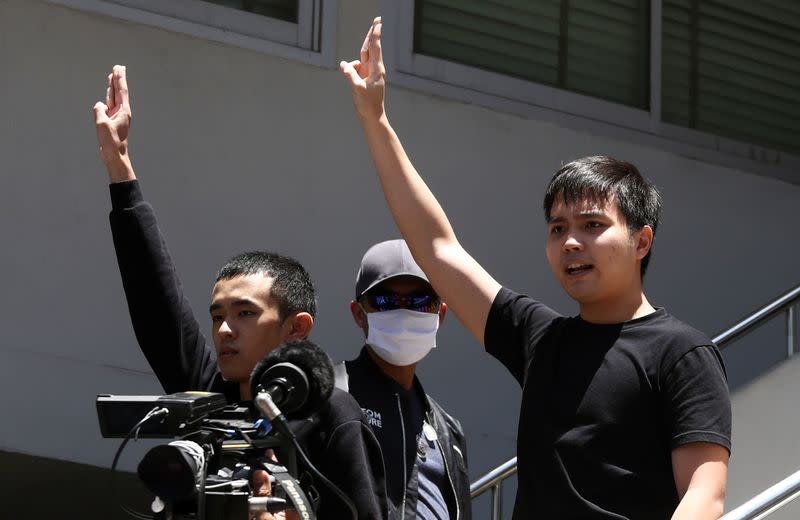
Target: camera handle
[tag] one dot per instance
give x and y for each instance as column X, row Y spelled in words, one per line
column 291, row 488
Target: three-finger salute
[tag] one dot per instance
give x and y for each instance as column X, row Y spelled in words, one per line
column 367, row 75
column 112, row 121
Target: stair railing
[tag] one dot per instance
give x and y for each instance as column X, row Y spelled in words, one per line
column 768, row 501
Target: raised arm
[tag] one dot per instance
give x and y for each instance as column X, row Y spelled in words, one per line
column 162, row 319
column 466, row 287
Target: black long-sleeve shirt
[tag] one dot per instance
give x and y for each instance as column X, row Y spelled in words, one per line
column 337, row 438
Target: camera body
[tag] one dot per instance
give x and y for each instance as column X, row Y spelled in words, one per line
column 206, row 472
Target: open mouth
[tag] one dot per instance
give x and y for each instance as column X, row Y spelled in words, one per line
column 576, row 268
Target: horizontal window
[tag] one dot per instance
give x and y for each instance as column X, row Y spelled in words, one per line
column 595, row 47
column 280, row 9
column 703, row 74
column 733, row 68
column 288, row 28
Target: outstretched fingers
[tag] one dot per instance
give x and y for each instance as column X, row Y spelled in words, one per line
column 375, row 52
column 112, row 121
column 109, row 94
column 120, row 86
column 364, row 55
column 366, row 75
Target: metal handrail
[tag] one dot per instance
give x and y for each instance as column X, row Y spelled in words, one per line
column 501, row 472
column 768, row 501
column 784, row 302
column 756, row 508
column 494, row 481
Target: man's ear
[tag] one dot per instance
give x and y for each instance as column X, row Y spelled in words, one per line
column 644, row 241
column 300, row 325
column 359, row 316
column 442, row 313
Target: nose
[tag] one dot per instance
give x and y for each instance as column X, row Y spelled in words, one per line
column 571, row 243
column 225, row 330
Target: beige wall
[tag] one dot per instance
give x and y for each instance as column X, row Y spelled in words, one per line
column 238, row 149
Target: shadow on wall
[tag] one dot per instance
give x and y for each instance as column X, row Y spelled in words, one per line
column 37, row 486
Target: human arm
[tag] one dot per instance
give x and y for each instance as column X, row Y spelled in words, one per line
column 700, row 471
column 699, row 414
column 162, row 319
column 466, row 287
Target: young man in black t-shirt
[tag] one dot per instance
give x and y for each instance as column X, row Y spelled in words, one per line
column 625, row 410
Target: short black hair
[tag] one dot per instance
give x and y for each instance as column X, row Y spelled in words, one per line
column 599, row 178
column 291, row 285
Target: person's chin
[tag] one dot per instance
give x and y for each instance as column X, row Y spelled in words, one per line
column 580, row 293
column 230, row 373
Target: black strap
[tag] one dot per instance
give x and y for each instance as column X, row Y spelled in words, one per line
column 293, row 491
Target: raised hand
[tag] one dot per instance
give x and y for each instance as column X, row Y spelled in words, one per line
column 367, row 75
column 112, row 121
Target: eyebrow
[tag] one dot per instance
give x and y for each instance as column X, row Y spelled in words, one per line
column 235, row 303
column 592, row 213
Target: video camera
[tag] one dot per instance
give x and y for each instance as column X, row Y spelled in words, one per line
column 206, row 473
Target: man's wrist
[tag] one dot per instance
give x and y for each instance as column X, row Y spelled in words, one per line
column 119, row 169
column 374, row 122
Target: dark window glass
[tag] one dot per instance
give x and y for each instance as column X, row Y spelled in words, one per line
column 732, row 68
column 281, row 9
column 595, row 47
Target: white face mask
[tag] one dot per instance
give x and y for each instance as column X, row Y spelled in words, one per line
column 400, row 336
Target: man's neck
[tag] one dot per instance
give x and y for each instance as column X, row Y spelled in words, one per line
column 404, row 376
column 244, row 391
column 618, row 311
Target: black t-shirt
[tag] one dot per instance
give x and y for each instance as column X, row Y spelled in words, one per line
column 603, row 406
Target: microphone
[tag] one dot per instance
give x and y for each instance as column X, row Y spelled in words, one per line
column 297, row 377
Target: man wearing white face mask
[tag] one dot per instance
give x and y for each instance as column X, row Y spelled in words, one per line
column 423, row 447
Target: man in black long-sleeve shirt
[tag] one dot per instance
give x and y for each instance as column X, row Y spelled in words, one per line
column 259, row 301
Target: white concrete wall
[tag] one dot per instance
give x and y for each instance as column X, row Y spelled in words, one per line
column 239, row 150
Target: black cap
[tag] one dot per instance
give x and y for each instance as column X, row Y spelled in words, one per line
column 383, row 261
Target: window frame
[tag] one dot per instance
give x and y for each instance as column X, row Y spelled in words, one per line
column 570, row 109
column 311, row 40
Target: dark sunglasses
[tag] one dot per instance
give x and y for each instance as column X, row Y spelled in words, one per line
column 421, row 302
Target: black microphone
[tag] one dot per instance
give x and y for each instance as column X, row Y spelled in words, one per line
column 297, row 376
